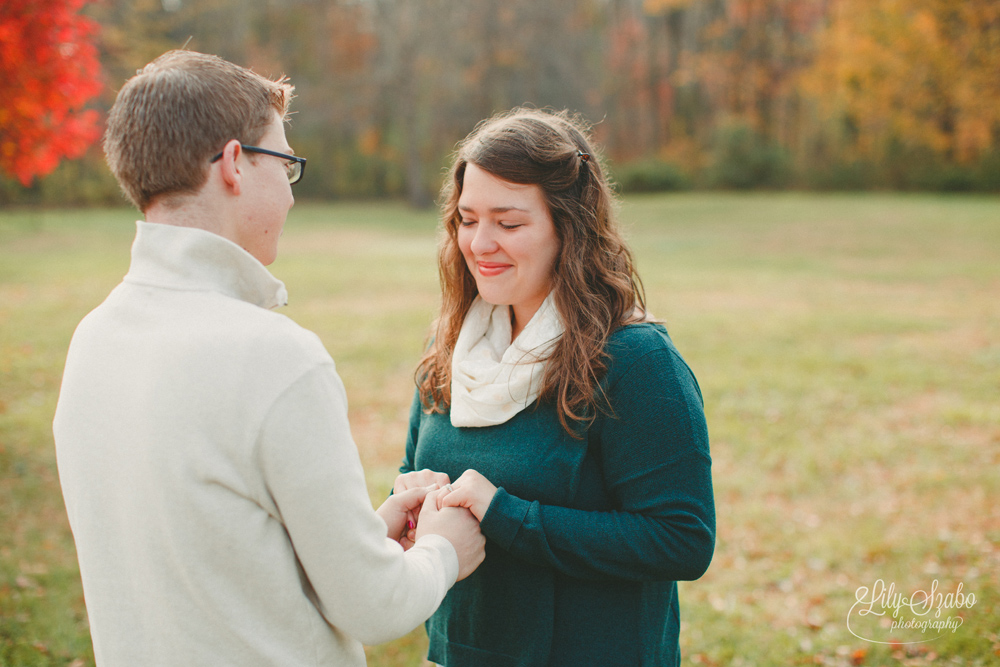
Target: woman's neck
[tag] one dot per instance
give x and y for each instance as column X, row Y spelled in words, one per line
column 520, row 315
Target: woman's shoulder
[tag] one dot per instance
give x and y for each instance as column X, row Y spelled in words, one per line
column 636, row 340
column 646, row 342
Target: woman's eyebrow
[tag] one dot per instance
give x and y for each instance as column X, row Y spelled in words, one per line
column 496, row 209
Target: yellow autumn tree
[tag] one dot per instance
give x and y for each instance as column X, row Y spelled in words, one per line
column 918, row 73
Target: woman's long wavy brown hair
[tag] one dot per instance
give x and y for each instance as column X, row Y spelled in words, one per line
column 594, row 279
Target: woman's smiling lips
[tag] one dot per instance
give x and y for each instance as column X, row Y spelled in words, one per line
column 490, row 269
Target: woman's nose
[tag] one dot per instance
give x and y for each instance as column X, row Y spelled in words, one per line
column 484, row 242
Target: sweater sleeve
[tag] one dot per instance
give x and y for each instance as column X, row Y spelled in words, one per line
column 364, row 583
column 654, row 457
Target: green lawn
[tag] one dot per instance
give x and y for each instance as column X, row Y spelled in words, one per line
column 848, row 348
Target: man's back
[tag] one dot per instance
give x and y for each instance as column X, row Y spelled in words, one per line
column 218, row 431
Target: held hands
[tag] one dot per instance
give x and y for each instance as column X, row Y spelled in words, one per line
column 458, row 526
column 453, row 511
column 471, row 491
column 419, row 478
column 411, row 480
column 399, row 512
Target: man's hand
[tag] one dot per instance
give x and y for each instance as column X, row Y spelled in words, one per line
column 399, row 510
column 458, row 526
column 411, row 480
column 471, row 491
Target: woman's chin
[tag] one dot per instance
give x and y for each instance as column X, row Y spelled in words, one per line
column 493, row 299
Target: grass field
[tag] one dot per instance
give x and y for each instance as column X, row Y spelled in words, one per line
column 848, row 348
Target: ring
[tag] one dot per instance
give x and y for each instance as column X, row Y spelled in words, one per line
column 449, row 487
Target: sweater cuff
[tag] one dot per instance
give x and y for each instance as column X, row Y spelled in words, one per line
column 504, row 517
column 449, row 557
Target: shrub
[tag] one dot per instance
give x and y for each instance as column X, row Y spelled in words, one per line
column 841, row 175
column 650, row 176
column 988, row 171
column 743, row 158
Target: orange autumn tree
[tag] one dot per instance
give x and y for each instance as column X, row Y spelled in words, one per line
column 49, row 70
column 917, row 73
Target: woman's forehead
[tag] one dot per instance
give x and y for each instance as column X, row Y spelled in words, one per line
column 483, row 190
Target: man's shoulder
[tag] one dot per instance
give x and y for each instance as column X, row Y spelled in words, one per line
column 289, row 332
column 206, row 321
column 277, row 334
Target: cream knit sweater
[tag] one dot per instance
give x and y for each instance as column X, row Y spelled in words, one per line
column 215, row 493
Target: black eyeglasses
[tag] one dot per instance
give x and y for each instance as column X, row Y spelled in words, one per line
column 294, row 168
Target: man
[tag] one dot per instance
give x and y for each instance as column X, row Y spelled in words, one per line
column 215, row 494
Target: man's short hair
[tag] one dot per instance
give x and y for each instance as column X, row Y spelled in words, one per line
column 176, row 113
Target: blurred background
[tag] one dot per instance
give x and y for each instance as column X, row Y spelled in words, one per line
column 805, row 94
column 810, row 191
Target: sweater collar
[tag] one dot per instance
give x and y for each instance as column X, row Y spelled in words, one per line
column 194, row 259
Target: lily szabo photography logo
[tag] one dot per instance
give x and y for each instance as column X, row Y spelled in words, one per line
column 884, row 615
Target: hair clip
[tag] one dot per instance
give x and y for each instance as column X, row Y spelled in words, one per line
column 583, row 156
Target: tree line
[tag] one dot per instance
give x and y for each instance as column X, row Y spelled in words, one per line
column 822, row 94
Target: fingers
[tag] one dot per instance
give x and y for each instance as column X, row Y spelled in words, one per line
column 419, row 478
column 457, row 525
column 473, row 498
column 411, row 500
column 411, row 520
column 467, row 478
column 429, row 508
column 471, row 490
column 400, row 511
column 452, row 495
column 446, row 490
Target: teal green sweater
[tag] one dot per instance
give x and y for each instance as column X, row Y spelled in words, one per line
column 585, row 537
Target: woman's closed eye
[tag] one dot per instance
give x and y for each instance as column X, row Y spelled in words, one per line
column 501, row 224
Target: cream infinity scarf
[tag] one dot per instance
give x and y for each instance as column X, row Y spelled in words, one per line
column 493, row 379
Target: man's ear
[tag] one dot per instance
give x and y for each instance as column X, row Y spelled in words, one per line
column 232, row 174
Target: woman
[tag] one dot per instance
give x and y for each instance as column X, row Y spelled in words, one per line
column 571, row 426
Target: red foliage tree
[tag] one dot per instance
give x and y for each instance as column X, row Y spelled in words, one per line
column 49, row 69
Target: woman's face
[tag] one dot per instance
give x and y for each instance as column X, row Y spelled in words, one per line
column 508, row 240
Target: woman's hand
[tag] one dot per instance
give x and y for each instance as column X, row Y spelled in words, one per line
column 471, row 490
column 419, row 478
